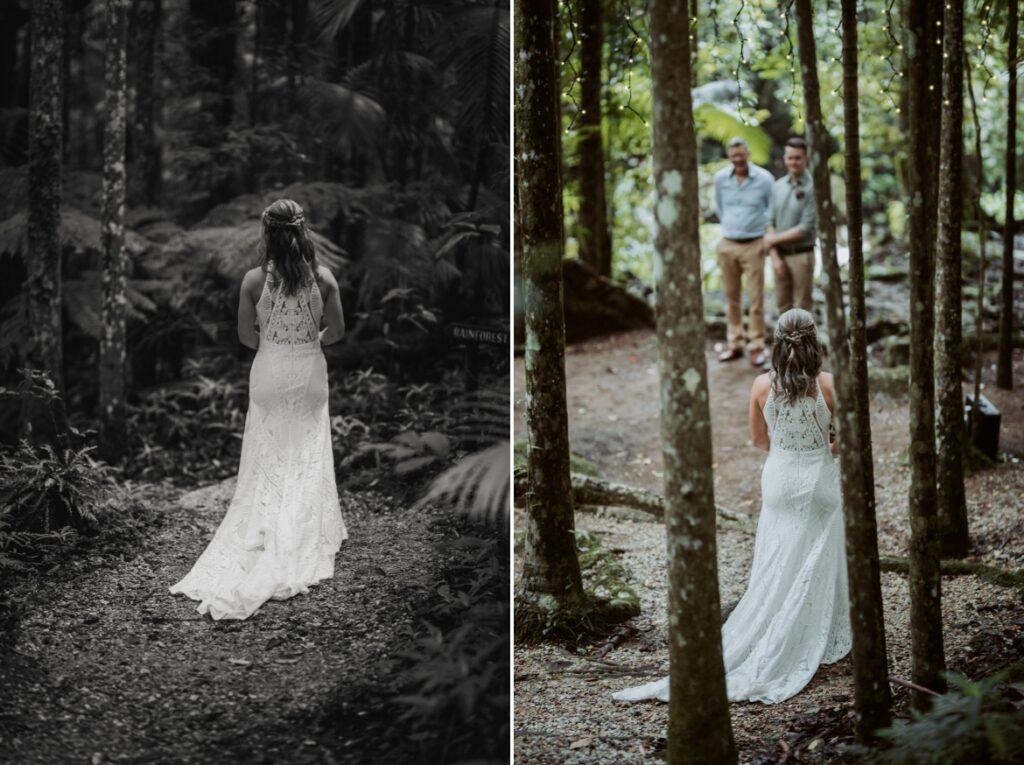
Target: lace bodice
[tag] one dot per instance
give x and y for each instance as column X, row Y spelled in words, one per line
column 800, row 426
column 289, row 319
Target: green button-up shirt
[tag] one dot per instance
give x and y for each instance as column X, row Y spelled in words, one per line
column 792, row 204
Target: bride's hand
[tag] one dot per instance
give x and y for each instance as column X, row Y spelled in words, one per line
column 320, row 336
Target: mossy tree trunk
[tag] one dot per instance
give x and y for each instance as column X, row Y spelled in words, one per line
column 699, row 729
column 551, row 570
column 949, row 422
column 1004, row 363
column 143, row 148
column 593, row 217
column 924, row 86
column 872, row 699
column 112, row 342
column 44, row 421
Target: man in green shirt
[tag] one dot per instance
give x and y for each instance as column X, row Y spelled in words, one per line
column 792, row 220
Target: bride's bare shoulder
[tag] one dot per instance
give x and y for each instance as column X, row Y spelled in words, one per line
column 252, row 282
column 759, row 390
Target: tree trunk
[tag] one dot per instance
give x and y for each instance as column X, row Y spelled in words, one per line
column 43, row 282
column 925, row 584
column 12, row 18
column 112, row 342
column 870, row 666
column 297, row 47
column 979, row 308
column 481, row 149
column 592, row 221
column 699, row 729
column 213, row 41
column 551, row 567
column 1004, row 363
column 949, row 422
column 144, row 151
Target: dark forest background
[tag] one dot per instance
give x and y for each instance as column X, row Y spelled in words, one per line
column 387, row 121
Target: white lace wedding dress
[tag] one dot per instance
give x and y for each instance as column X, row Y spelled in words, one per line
column 284, row 525
column 795, row 613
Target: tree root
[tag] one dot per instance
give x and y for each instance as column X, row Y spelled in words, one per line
column 992, row 574
column 587, row 490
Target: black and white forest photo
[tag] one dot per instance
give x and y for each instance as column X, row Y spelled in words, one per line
column 255, row 449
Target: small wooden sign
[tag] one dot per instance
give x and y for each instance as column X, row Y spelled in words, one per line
column 477, row 334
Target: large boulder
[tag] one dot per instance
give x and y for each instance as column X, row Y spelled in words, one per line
column 594, row 305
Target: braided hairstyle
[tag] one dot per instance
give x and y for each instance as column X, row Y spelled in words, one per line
column 797, row 355
column 285, row 246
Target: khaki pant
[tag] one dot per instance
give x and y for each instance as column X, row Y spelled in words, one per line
column 739, row 260
column 798, row 284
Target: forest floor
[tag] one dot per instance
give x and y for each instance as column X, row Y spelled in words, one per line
column 112, row 668
column 564, row 712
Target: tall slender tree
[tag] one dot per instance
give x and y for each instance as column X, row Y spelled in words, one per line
column 1004, row 362
column 213, row 41
column 43, row 283
column 144, row 180
column 699, row 729
column 925, row 581
column 551, row 567
column 595, row 247
column 114, row 318
column 949, row 419
column 870, row 666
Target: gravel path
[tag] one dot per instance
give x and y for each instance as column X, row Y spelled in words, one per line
column 111, row 668
column 563, row 707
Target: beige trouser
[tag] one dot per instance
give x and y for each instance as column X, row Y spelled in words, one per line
column 739, row 260
column 798, row 283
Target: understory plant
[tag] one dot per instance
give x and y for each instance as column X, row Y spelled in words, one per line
column 454, row 685
column 975, row 722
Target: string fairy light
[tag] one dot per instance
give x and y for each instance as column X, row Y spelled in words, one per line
column 887, row 57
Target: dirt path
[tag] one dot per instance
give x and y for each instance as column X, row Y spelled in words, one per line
column 563, row 707
column 111, row 668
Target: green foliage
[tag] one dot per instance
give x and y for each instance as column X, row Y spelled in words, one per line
column 604, row 576
column 974, row 723
column 577, row 464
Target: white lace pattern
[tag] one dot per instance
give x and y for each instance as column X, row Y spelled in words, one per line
column 284, row 525
column 795, row 614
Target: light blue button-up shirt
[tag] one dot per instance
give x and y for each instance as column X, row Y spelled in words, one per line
column 743, row 208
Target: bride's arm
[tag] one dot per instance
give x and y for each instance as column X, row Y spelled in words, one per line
column 334, row 316
column 758, row 427
column 247, row 333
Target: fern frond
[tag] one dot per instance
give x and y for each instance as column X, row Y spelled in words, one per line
column 477, row 486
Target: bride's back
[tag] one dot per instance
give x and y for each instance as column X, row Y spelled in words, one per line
column 289, row 319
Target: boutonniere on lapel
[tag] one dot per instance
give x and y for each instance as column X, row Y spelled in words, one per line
column 799, row 194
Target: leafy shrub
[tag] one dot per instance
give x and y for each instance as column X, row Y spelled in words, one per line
column 194, row 427
column 975, row 723
column 455, row 689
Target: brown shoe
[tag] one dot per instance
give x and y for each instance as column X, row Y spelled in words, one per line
column 759, row 359
column 730, row 355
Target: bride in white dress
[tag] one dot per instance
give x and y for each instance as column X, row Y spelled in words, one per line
column 795, row 614
column 284, row 525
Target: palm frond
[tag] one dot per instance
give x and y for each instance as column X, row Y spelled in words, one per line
column 477, row 486
column 333, row 15
column 722, row 122
column 353, row 119
column 78, row 231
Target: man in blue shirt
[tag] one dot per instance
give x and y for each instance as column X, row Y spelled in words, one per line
column 742, row 196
